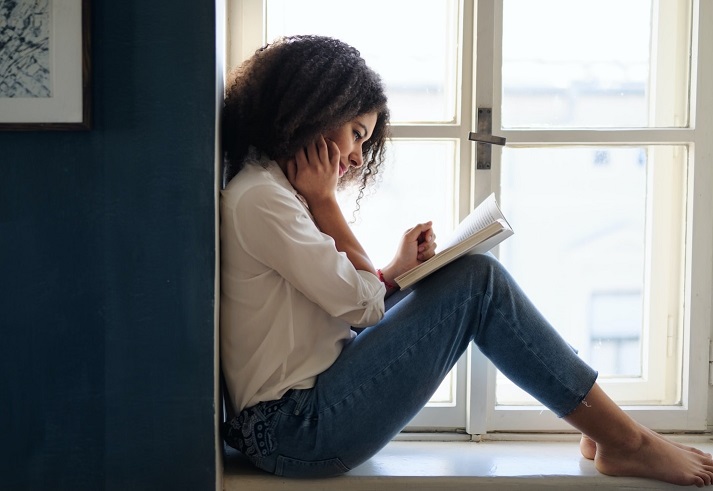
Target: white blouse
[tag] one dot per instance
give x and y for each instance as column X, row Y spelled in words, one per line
column 288, row 297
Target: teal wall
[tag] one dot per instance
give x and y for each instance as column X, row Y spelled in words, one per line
column 107, row 268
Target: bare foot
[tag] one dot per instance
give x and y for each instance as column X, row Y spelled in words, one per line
column 655, row 457
column 588, row 447
column 680, row 445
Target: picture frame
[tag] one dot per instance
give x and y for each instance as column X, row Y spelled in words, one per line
column 45, row 65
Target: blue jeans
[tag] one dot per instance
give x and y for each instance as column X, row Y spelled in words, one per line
column 388, row 372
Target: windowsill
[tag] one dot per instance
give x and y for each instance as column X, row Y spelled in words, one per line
column 455, row 465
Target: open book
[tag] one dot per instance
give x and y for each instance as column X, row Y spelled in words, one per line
column 484, row 228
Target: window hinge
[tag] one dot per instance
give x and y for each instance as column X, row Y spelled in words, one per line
column 670, row 337
column 710, row 362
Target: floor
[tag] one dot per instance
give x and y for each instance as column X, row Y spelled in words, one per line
column 411, row 465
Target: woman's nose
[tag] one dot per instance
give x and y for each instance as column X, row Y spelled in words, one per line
column 356, row 159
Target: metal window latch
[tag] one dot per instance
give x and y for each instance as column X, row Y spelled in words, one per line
column 484, row 137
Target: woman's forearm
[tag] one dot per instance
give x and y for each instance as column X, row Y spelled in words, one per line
column 330, row 220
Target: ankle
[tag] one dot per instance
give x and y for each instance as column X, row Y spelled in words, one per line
column 629, row 441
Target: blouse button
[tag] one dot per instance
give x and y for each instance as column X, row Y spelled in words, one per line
column 363, row 304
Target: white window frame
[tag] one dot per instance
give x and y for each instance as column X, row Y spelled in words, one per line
column 245, row 35
column 691, row 414
column 479, row 415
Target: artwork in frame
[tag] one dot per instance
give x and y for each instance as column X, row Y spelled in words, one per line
column 44, row 65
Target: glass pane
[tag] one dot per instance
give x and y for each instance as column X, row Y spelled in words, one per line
column 615, row 319
column 583, row 233
column 604, row 63
column 417, row 185
column 445, row 395
column 412, row 48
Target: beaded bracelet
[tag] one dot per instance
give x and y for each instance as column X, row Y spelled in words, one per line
column 391, row 286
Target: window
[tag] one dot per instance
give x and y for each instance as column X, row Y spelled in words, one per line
column 604, row 177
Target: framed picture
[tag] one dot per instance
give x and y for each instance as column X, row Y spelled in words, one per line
column 45, row 65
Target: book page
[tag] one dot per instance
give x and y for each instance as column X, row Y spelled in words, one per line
column 483, row 215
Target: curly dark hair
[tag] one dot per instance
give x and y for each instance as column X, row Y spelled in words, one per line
column 295, row 89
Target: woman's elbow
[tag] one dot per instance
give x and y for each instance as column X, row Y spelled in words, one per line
column 369, row 316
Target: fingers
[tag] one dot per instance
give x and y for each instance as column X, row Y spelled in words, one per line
column 314, row 169
column 292, row 170
column 301, row 159
column 427, row 244
column 322, row 155
column 321, row 151
column 333, row 153
column 325, row 149
column 415, row 232
column 316, row 151
column 425, row 238
column 427, row 248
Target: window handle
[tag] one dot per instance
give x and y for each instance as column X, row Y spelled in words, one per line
column 484, row 137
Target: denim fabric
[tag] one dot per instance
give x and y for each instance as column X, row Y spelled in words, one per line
column 389, row 371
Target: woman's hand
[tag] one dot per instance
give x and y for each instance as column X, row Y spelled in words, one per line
column 418, row 244
column 314, row 171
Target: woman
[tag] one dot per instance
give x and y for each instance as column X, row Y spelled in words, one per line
column 303, row 116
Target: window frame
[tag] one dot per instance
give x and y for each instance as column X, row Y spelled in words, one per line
column 479, row 414
column 691, row 414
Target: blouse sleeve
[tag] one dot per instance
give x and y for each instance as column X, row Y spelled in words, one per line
column 276, row 229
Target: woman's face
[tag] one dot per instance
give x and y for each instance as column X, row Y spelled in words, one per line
column 350, row 137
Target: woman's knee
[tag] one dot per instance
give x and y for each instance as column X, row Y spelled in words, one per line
column 481, row 263
column 485, row 271
column 471, row 272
